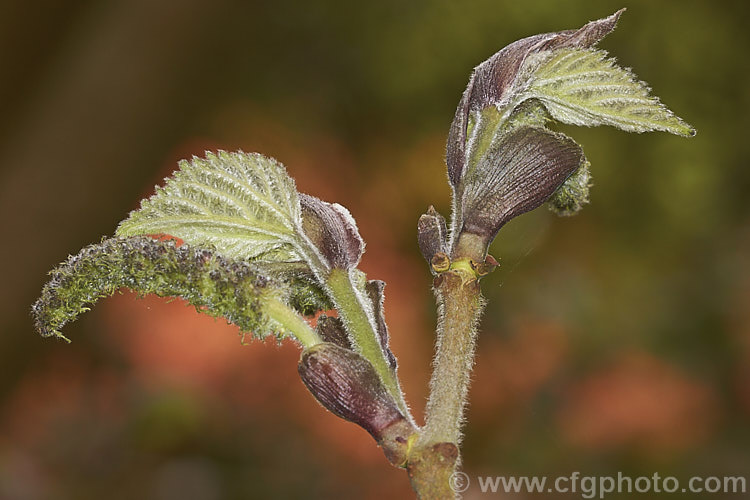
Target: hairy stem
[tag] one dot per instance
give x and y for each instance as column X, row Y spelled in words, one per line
column 435, row 456
column 430, row 470
column 459, row 306
column 291, row 322
column 364, row 336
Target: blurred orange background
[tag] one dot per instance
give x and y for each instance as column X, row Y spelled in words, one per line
column 617, row 340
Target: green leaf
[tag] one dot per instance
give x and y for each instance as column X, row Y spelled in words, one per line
column 244, row 205
column 584, row 87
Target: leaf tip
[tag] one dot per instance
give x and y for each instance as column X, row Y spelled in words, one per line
column 680, row 127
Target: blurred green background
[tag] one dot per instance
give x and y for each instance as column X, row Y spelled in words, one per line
column 617, row 340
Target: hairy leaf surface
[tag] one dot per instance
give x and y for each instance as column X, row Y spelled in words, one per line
column 585, row 87
column 244, row 205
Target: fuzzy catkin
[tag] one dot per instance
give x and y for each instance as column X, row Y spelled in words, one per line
column 214, row 285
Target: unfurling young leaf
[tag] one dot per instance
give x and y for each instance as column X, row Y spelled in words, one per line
column 500, row 80
column 584, row 87
column 244, row 205
column 502, row 162
column 247, row 207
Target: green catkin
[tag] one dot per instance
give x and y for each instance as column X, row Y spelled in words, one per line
column 306, row 297
column 573, row 194
column 214, row 285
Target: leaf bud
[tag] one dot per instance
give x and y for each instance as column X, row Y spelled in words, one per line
column 517, row 175
column 348, row 386
column 333, row 231
column 432, row 234
column 331, row 329
column 502, row 77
